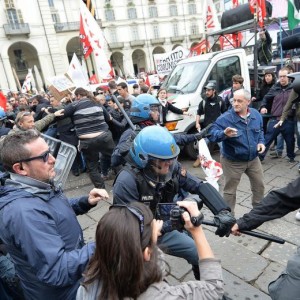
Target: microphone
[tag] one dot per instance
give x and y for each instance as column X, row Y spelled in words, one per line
column 291, row 42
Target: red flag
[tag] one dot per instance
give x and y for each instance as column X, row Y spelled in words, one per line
column 261, row 10
column 3, row 101
column 87, row 49
column 235, row 3
column 147, row 82
column 200, row 48
column 93, row 79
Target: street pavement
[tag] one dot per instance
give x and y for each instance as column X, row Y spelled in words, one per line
column 249, row 264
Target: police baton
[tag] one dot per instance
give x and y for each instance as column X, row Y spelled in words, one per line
column 256, row 234
column 133, row 127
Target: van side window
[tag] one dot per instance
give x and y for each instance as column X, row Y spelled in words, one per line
column 223, row 71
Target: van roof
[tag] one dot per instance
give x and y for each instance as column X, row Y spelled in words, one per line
column 208, row 56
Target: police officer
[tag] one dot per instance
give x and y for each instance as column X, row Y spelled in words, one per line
column 153, row 176
column 146, row 111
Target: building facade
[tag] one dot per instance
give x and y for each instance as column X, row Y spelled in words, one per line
column 44, row 34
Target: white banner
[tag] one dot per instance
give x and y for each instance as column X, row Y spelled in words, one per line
column 166, row 62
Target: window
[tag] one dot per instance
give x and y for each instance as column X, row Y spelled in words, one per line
column 51, row 3
column 9, row 4
column 20, row 61
column 156, row 31
column 185, row 78
column 135, row 33
column 153, row 12
column 12, row 16
column 223, row 71
column 131, row 13
column 113, row 35
column 109, row 15
column 192, row 9
column 194, row 28
column 175, row 29
column 55, row 18
column 173, row 10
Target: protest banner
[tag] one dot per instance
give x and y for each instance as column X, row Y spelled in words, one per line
column 166, row 62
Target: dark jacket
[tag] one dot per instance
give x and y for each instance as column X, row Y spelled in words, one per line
column 278, row 93
column 264, row 50
column 126, row 189
column 169, row 107
column 127, row 137
column 275, row 205
column 211, row 108
column 39, row 226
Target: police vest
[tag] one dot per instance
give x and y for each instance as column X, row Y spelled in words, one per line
column 151, row 193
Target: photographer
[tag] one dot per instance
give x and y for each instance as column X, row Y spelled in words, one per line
column 154, row 176
column 130, row 231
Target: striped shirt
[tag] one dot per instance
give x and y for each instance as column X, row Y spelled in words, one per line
column 88, row 116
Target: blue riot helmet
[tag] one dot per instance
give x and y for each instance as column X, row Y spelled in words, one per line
column 155, row 151
column 145, row 107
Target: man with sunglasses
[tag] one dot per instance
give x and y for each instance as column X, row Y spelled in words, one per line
column 38, row 223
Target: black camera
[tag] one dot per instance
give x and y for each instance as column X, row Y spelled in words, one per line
column 176, row 219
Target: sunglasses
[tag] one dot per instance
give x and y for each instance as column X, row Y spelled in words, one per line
column 136, row 212
column 44, row 157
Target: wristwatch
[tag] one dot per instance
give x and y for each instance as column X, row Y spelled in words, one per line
column 197, row 221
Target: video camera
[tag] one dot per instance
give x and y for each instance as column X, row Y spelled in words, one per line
column 173, row 212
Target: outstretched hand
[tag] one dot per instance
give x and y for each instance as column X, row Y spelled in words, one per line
column 96, row 195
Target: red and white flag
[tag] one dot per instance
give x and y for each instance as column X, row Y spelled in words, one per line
column 26, row 87
column 96, row 39
column 212, row 22
column 260, row 5
column 87, row 48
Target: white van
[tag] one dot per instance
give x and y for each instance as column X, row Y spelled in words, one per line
column 186, row 82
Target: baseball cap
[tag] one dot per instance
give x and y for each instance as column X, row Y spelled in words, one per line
column 210, row 86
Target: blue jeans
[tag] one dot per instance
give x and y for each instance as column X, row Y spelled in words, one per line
column 179, row 244
column 288, row 132
column 280, row 144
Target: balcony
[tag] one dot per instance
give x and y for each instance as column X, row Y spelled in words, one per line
column 68, row 26
column 158, row 41
column 71, row 26
column 15, row 29
column 138, row 43
column 178, row 38
column 116, row 45
column 195, row 37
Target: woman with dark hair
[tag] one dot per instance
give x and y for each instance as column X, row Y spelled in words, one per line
column 90, row 120
column 168, row 106
column 268, row 81
column 126, row 263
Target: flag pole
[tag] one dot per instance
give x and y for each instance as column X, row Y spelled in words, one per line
column 255, row 54
column 17, row 79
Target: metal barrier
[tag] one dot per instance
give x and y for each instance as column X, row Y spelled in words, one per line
column 64, row 154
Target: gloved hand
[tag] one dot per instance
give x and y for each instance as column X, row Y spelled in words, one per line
column 224, row 220
column 125, row 146
column 203, row 133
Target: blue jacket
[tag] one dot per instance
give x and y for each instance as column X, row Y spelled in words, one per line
column 243, row 147
column 42, row 234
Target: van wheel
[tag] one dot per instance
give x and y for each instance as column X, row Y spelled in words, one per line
column 192, row 149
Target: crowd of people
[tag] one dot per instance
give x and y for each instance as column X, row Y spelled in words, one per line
column 119, row 133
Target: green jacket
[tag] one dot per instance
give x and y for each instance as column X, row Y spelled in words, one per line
column 291, row 101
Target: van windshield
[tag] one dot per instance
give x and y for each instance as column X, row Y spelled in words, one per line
column 185, row 78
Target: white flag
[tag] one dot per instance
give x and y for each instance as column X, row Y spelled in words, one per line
column 76, row 72
column 26, row 87
column 96, row 39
